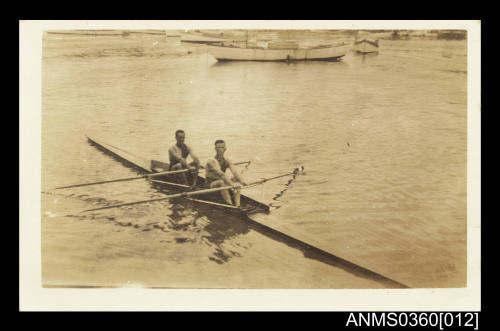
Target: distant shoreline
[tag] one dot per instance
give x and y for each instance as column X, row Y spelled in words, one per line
column 91, row 32
column 371, row 34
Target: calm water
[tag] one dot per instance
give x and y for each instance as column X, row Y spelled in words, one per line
column 382, row 137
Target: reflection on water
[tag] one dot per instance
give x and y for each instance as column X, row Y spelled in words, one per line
column 185, row 224
column 368, row 56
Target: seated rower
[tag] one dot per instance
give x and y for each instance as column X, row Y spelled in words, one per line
column 216, row 177
column 178, row 154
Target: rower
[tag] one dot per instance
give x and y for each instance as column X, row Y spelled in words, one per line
column 178, row 154
column 216, row 177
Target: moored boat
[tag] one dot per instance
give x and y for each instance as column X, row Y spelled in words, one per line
column 270, row 53
column 366, row 46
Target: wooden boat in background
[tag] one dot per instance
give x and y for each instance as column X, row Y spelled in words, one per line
column 199, row 39
column 210, row 38
column 273, row 52
column 168, row 183
column 365, row 46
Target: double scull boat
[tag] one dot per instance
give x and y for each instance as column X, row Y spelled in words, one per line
column 166, row 183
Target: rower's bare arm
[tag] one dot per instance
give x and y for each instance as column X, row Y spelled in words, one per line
column 235, row 172
column 194, row 157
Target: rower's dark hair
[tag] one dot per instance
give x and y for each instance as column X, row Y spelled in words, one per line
column 219, row 141
column 179, row 131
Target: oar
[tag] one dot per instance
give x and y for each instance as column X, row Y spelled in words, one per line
column 126, row 179
column 205, row 191
column 134, row 178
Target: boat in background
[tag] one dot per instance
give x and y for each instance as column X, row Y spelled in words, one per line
column 278, row 51
column 213, row 38
column 365, row 46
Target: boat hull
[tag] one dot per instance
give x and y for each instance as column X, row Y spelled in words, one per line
column 228, row 53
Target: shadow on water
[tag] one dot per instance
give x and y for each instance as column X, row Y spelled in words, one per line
column 224, row 227
column 366, row 56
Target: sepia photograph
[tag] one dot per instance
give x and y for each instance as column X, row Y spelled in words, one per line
column 211, row 155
